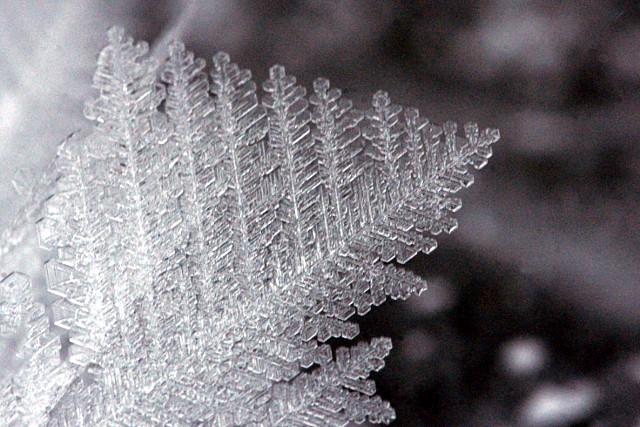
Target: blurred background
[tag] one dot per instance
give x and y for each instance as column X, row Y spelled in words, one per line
column 533, row 316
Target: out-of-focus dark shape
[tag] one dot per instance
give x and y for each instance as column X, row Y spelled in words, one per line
column 534, row 47
column 417, row 346
column 622, row 56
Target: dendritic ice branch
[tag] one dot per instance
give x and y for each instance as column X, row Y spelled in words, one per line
column 209, row 242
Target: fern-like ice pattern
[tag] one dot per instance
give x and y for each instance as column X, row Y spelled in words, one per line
column 209, row 243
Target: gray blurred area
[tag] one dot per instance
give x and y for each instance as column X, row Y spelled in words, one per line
column 533, row 318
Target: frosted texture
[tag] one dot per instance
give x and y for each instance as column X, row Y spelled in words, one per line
column 39, row 379
column 209, row 243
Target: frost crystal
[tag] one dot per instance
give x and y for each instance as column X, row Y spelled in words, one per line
column 208, row 244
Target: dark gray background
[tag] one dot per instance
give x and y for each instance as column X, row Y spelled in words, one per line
column 534, row 316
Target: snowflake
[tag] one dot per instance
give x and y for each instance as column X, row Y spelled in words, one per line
column 208, row 245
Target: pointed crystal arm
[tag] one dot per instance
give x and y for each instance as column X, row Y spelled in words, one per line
column 336, row 133
column 242, row 126
column 336, row 392
column 291, row 141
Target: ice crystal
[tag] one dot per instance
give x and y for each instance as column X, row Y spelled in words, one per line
column 208, row 244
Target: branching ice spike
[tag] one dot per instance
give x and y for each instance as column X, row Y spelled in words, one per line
column 384, row 132
column 335, row 392
column 336, row 133
column 242, row 125
column 290, row 139
column 208, row 245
